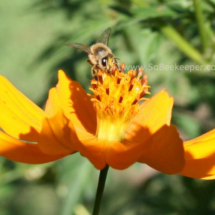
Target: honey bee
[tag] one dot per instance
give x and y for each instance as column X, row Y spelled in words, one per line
column 100, row 55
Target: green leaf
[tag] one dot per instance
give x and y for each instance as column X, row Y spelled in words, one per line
column 76, row 173
column 147, row 13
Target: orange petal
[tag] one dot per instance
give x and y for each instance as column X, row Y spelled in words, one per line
column 92, row 148
column 56, row 135
column 164, row 152
column 153, row 114
column 23, row 152
column 200, row 157
column 76, row 103
column 121, row 155
column 142, row 140
column 19, row 117
column 212, row 177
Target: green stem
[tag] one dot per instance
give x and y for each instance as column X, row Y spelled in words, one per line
column 100, row 189
column 200, row 23
column 183, row 45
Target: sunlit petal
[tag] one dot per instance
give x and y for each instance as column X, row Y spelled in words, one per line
column 154, row 113
column 19, row 116
column 23, row 152
column 200, row 157
column 209, row 177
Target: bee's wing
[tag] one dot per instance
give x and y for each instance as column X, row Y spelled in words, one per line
column 104, row 37
column 80, row 46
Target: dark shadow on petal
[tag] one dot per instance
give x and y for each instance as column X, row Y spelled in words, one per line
column 162, row 150
column 83, row 108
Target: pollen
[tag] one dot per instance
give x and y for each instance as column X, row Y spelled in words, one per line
column 116, row 99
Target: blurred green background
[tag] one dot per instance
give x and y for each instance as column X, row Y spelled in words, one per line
column 32, row 37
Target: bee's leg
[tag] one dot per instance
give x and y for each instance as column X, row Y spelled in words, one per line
column 89, row 61
column 117, row 64
column 94, row 72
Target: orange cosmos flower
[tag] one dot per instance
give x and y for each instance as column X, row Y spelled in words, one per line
column 108, row 127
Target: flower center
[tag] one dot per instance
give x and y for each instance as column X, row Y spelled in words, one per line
column 115, row 99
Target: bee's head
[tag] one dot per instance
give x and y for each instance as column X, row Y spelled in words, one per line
column 107, row 62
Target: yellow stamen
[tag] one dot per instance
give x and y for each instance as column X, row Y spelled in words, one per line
column 115, row 98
